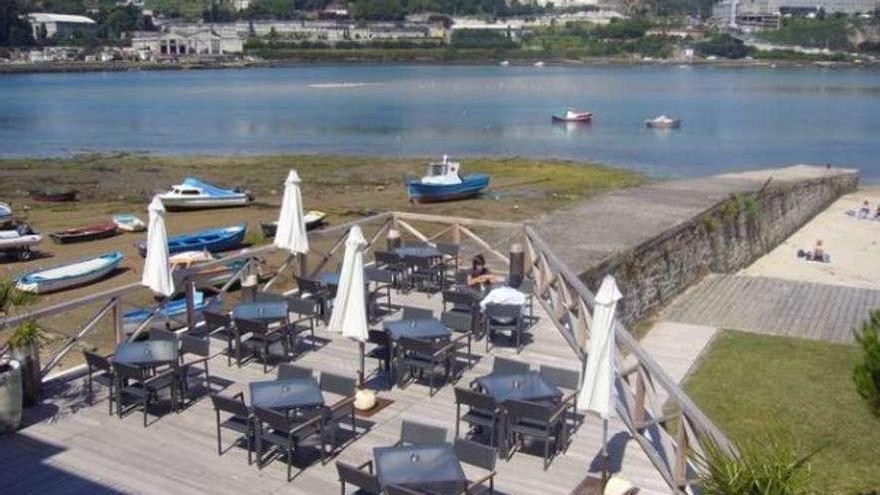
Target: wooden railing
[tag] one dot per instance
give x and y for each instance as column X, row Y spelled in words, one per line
column 565, row 298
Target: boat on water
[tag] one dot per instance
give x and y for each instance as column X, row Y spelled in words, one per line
column 193, row 194
column 18, row 242
column 67, row 275
column 53, row 195
column 504, row 63
column 216, row 275
column 574, row 116
column 313, row 219
column 83, row 234
column 5, row 214
column 129, row 223
column 663, row 122
column 171, row 316
column 211, row 240
column 539, row 63
column 443, row 182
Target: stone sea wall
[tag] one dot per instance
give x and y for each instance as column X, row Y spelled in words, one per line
column 724, row 238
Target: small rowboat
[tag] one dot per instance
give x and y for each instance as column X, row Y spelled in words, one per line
column 65, row 276
column 574, row 116
column 211, row 240
column 171, row 316
column 18, row 242
column 444, row 183
column 129, row 223
column 194, row 194
column 313, row 219
column 5, row 214
column 82, row 234
column 216, row 275
column 53, row 195
column 663, row 122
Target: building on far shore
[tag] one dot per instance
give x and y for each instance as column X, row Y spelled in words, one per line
column 60, row 25
column 153, row 45
column 768, row 13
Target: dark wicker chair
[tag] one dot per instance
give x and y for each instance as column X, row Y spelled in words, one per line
column 460, row 301
column 343, row 409
column 393, row 263
column 287, row 371
column 482, row 412
column 412, row 313
column 401, row 490
column 504, row 366
column 239, row 420
column 365, row 481
column 425, row 274
column 507, row 318
column 427, row 356
column 451, row 255
column 537, row 421
column 194, row 352
column 262, row 339
column 482, row 457
column 137, row 383
column 288, row 435
column 414, row 433
column 316, row 291
column 220, row 326
column 381, row 350
column 100, row 364
column 462, row 324
column 307, row 314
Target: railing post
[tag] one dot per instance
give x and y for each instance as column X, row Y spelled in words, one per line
column 116, row 315
column 190, row 288
column 517, row 260
column 303, row 264
column 679, row 470
column 638, row 413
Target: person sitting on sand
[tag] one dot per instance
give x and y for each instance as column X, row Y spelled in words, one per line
column 877, row 215
column 480, row 276
column 865, row 210
column 818, row 251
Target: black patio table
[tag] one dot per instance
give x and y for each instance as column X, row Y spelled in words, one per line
column 147, row 353
column 423, row 328
column 433, row 469
column 529, row 386
column 287, row 394
column 266, row 311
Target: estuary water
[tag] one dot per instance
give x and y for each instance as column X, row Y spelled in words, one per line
column 733, row 118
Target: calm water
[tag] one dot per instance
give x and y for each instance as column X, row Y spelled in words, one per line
column 733, row 118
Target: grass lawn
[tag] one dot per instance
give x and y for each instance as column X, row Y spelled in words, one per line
column 748, row 383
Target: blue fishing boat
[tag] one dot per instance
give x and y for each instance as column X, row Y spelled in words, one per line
column 444, row 183
column 67, row 275
column 172, row 315
column 211, row 240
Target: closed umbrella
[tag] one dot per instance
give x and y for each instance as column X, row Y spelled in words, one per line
column 291, row 232
column 597, row 384
column 350, row 306
column 157, row 272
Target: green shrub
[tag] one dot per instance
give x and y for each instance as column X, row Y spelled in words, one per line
column 27, row 334
column 866, row 374
column 10, row 297
column 767, row 464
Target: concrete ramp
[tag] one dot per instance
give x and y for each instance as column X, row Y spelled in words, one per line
column 775, row 306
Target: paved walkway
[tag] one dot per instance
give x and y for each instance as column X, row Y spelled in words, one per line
column 676, row 347
column 775, row 306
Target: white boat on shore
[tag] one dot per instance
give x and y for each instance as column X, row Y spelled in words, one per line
column 65, row 276
column 663, row 122
column 18, row 242
column 194, row 194
column 129, row 223
column 5, row 214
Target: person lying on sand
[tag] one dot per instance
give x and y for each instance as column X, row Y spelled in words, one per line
column 865, row 210
column 817, row 254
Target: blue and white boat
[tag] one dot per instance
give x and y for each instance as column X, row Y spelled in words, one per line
column 445, row 183
column 129, row 223
column 171, row 315
column 67, row 275
column 5, row 214
column 193, row 193
column 211, row 240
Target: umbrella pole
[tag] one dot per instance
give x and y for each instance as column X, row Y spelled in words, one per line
column 361, row 377
column 605, row 459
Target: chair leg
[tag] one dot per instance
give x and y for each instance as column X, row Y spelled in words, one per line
column 90, row 398
column 289, row 462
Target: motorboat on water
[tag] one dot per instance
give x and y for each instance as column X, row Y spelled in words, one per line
column 18, row 242
column 194, row 193
column 313, row 220
column 5, row 214
column 67, row 275
column 211, row 240
column 504, row 63
column 443, row 182
column 576, row 116
column 129, row 223
column 539, row 63
column 663, row 122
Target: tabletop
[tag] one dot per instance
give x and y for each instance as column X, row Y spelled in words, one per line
column 286, row 394
column 426, row 468
column 423, row 328
column 419, row 251
column 329, row 278
column 146, row 352
column 261, row 311
column 529, row 386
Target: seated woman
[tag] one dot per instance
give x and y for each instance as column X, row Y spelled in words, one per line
column 480, row 276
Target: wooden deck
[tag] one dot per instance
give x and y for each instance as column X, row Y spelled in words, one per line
column 71, row 447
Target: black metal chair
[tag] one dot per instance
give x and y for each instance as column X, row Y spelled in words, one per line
column 287, row 371
column 426, row 356
column 365, row 481
column 462, row 324
column 100, row 364
column 412, row 313
column 541, row 422
column 262, row 339
column 288, row 435
column 194, row 352
column 138, row 383
column 239, row 420
column 343, row 409
column 482, row 457
column 220, row 325
column 505, row 366
column 381, row 350
column 414, row 433
column 483, row 412
column 306, row 311
column 501, row 318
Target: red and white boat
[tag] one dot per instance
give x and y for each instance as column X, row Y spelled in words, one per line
column 574, row 116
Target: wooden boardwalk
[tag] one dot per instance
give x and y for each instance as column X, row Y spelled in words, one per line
column 71, row 447
column 775, row 306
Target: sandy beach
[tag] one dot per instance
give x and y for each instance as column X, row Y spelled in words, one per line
column 851, row 242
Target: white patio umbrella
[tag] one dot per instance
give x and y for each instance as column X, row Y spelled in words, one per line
column 597, row 384
column 157, row 272
column 350, row 306
column 291, row 232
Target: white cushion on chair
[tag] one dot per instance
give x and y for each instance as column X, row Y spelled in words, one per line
column 619, row 486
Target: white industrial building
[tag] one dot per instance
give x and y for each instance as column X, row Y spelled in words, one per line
column 766, row 13
column 157, row 45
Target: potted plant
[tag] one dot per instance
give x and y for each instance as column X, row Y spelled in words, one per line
column 24, row 344
column 10, row 395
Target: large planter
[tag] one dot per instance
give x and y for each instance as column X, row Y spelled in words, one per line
column 10, row 396
column 29, row 357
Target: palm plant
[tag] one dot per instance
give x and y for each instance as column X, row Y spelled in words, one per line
column 771, row 466
column 10, row 297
